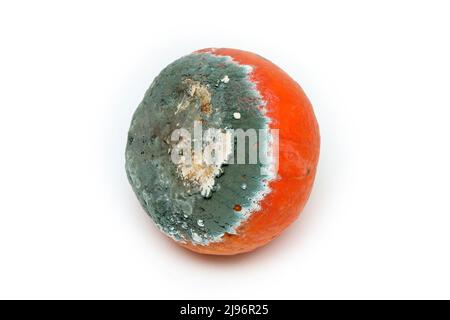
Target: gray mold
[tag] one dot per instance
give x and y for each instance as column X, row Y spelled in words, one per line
column 180, row 211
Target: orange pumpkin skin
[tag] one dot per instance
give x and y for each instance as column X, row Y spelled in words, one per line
column 291, row 113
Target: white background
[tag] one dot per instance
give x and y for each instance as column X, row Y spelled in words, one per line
column 378, row 221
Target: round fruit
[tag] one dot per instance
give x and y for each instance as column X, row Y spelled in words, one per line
column 222, row 152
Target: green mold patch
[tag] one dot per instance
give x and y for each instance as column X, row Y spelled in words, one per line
column 201, row 204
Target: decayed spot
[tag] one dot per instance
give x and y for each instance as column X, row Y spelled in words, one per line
column 200, row 171
column 194, row 169
column 192, row 201
column 196, row 93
